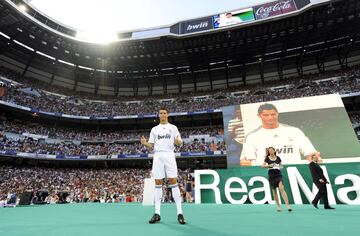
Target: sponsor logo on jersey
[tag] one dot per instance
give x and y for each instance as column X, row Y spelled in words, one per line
column 167, row 136
column 286, row 149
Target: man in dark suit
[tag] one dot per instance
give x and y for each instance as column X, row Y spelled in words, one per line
column 320, row 181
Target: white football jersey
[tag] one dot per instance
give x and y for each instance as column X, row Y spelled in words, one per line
column 163, row 137
column 289, row 143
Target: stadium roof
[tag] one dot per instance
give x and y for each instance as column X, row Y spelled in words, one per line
column 257, row 52
column 115, row 15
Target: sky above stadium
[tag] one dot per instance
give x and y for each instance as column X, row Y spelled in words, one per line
column 123, row 15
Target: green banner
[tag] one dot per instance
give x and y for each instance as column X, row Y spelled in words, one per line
column 250, row 185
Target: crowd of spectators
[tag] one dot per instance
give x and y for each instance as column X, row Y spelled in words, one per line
column 30, row 145
column 344, row 81
column 354, row 117
column 125, row 185
column 63, row 133
column 39, row 147
column 82, row 185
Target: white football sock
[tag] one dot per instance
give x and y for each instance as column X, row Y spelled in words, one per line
column 177, row 198
column 158, row 197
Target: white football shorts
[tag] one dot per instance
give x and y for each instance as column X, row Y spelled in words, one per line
column 164, row 165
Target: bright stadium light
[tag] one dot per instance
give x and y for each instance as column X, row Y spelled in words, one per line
column 22, row 8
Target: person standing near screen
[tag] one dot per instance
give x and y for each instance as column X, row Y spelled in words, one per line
column 163, row 139
column 287, row 140
column 320, row 181
column 188, row 188
column 273, row 163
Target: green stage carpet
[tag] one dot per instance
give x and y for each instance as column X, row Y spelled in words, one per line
column 206, row 219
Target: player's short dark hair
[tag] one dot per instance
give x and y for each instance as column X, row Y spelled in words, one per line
column 266, row 106
column 164, row 109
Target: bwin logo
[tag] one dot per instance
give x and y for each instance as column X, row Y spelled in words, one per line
column 167, row 136
column 203, row 24
column 285, row 150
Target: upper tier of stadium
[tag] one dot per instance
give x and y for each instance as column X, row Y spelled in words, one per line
column 300, row 37
column 31, row 97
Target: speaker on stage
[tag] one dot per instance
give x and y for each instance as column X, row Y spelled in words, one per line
column 25, row 198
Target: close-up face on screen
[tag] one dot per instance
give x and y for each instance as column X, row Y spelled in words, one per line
column 296, row 128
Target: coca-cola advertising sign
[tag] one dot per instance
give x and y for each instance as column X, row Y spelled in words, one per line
column 274, row 8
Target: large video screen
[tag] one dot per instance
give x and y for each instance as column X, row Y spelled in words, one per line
column 232, row 18
column 296, row 128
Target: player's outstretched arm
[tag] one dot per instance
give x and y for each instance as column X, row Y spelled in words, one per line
column 178, row 141
column 146, row 143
